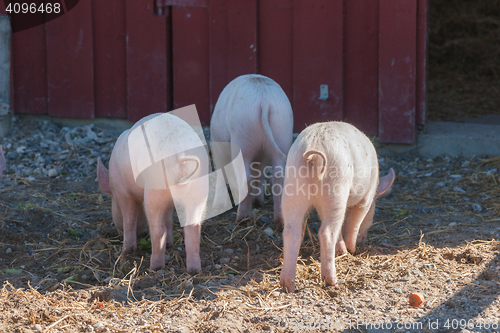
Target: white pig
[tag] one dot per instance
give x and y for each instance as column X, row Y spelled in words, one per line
column 254, row 113
column 333, row 167
column 2, row 161
column 135, row 207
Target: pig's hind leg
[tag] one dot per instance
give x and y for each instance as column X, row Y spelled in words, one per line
column 278, row 189
column 295, row 206
column 329, row 232
column 159, row 214
column 257, row 182
column 353, row 223
column 245, row 206
column 130, row 213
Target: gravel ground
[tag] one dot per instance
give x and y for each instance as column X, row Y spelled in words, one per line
column 61, row 272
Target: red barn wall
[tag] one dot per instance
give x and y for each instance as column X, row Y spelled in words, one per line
column 122, row 59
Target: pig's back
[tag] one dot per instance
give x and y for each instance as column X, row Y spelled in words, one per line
column 351, row 157
column 239, row 106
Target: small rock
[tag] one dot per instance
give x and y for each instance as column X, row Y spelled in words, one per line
column 98, row 325
column 9, row 250
column 167, row 259
column 89, row 329
column 53, row 173
column 476, row 208
column 430, row 266
column 452, row 224
column 161, row 272
column 440, row 184
column 269, row 231
column 275, row 293
column 265, row 219
column 398, row 290
column 458, row 189
column 12, row 155
column 229, row 251
column 217, row 266
column 491, row 172
column 225, row 261
column 38, row 327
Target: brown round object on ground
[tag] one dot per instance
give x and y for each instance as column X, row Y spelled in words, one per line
column 416, row 299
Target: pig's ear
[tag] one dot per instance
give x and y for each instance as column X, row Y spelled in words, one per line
column 2, row 160
column 103, row 177
column 385, row 184
column 191, row 164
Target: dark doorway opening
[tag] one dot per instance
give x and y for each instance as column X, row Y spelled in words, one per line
column 464, row 61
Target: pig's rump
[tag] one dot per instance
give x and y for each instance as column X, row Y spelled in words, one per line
column 351, row 162
column 239, row 111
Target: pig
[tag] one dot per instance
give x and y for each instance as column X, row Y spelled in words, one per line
column 2, row 161
column 333, row 167
column 254, row 113
column 135, row 207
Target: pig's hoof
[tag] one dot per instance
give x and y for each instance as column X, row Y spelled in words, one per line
column 128, row 251
column 193, row 270
column 279, row 224
column 288, row 285
column 340, row 248
column 330, row 281
column 257, row 204
column 156, row 267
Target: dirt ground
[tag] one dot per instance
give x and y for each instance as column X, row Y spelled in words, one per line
column 61, row 271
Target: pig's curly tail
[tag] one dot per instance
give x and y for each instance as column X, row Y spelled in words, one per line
column 309, row 158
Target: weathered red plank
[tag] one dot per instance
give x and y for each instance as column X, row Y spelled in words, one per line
column 190, row 60
column 276, row 42
column 397, row 65
column 110, row 59
column 422, row 60
column 361, row 65
column 29, row 71
column 148, row 74
column 233, row 42
column 317, row 46
column 70, row 63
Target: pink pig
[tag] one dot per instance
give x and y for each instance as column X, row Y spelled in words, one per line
column 135, row 207
column 2, row 161
column 333, row 167
column 254, row 113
